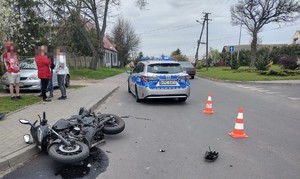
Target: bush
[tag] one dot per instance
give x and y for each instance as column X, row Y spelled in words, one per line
column 199, row 64
column 288, row 62
column 263, row 61
column 280, row 73
column 234, row 64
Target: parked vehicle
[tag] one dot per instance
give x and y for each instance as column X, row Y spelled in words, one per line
column 189, row 68
column 29, row 76
column 159, row 79
column 69, row 140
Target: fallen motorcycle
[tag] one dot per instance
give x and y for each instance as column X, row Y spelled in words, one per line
column 70, row 140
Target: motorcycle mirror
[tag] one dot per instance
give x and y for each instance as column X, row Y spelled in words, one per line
column 24, row 121
column 28, row 139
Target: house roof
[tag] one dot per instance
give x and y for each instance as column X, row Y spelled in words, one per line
column 108, row 45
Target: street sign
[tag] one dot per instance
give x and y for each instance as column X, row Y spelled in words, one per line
column 231, row 49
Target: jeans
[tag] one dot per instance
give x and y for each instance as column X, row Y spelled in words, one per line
column 61, row 84
column 50, row 87
column 44, row 83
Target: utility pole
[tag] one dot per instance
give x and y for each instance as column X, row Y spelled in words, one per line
column 199, row 41
column 238, row 54
column 206, row 19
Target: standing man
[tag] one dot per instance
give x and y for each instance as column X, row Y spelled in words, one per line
column 43, row 65
column 11, row 64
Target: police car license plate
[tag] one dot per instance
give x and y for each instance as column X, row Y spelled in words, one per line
column 168, row 82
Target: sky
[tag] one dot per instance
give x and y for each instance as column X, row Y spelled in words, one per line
column 167, row 25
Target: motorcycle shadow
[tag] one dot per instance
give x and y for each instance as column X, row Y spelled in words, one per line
column 95, row 164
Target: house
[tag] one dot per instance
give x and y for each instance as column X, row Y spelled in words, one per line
column 111, row 54
column 295, row 38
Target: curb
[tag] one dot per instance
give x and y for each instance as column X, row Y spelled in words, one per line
column 27, row 153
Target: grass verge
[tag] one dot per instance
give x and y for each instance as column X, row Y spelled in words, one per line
column 7, row 105
column 242, row 74
column 100, row 73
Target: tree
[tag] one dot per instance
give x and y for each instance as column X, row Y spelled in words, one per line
column 21, row 23
column 125, row 39
column 215, row 55
column 177, row 56
column 255, row 14
column 87, row 15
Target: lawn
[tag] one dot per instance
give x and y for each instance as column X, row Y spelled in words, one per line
column 242, row 74
column 100, row 73
column 8, row 105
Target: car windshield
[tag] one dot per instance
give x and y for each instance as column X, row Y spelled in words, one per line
column 168, row 68
column 186, row 64
column 28, row 63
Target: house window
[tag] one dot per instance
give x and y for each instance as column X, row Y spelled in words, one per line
column 107, row 57
column 115, row 60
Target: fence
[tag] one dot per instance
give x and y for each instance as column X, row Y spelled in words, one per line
column 75, row 61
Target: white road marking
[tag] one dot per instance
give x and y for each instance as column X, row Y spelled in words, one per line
column 294, row 98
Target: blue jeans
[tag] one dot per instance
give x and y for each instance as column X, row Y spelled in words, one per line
column 61, row 84
column 50, row 87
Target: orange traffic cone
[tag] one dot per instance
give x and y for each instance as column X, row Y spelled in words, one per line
column 208, row 108
column 238, row 131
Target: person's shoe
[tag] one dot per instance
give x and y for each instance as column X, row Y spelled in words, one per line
column 51, row 96
column 47, row 100
column 62, row 98
column 13, row 98
column 18, row 97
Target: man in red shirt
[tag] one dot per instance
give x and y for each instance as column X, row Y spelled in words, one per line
column 44, row 73
column 11, row 64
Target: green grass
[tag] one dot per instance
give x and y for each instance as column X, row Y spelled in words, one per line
column 100, row 73
column 8, row 105
column 242, row 74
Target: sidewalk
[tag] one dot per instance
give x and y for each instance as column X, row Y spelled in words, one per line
column 14, row 150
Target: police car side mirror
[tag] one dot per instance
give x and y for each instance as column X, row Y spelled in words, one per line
column 129, row 72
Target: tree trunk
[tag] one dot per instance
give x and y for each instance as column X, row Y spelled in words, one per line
column 253, row 49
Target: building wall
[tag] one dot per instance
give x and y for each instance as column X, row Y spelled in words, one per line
column 295, row 39
column 111, row 59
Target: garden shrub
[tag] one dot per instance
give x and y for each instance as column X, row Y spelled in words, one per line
column 263, row 62
column 234, row 65
column 288, row 62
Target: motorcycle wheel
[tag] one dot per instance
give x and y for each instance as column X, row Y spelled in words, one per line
column 72, row 154
column 114, row 126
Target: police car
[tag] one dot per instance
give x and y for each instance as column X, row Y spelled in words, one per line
column 161, row 78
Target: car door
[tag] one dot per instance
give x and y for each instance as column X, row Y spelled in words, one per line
column 135, row 75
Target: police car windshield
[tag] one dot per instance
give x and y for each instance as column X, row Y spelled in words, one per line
column 164, row 68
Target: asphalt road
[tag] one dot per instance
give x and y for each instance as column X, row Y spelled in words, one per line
column 184, row 133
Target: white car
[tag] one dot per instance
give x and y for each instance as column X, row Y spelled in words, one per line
column 159, row 79
column 29, row 76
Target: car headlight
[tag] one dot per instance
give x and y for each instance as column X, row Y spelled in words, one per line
column 34, row 77
column 39, row 134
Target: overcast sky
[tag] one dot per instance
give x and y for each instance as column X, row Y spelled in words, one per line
column 166, row 25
